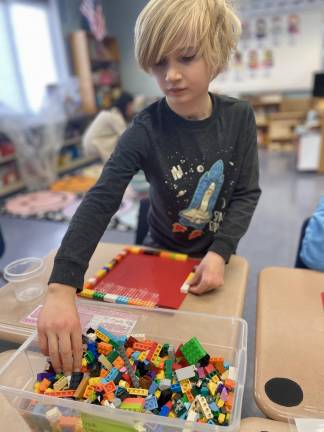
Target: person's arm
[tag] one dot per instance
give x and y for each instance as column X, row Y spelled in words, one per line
column 58, row 325
column 210, row 272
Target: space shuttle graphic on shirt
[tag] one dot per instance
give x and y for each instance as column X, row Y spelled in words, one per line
column 200, row 210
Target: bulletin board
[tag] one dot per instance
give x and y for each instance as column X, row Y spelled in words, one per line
column 278, row 52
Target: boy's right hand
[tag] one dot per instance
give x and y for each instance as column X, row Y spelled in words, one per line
column 59, row 329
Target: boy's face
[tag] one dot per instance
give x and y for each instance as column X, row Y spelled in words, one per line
column 184, row 79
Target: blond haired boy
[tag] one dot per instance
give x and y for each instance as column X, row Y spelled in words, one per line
column 198, row 152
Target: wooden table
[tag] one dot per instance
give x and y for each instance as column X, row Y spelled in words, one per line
column 257, row 424
column 227, row 301
column 290, row 343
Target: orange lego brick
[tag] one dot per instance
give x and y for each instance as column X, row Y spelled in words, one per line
column 229, row 384
column 62, row 393
column 118, row 362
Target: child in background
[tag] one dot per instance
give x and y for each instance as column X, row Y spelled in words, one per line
column 101, row 137
column 198, row 151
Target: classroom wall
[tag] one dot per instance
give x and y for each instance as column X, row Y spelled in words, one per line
column 120, row 17
column 308, row 54
column 294, row 57
column 70, row 21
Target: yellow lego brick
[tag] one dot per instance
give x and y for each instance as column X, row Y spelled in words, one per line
column 101, row 273
column 172, row 414
column 180, row 257
column 212, row 387
column 215, row 379
column 86, row 293
column 49, row 390
column 137, row 391
column 220, row 403
column 36, row 387
column 142, row 356
column 102, row 336
column 135, row 250
column 122, row 383
column 94, row 381
column 221, row 418
column 160, row 375
column 156, row 361
column 157, row 393
column 185, row 385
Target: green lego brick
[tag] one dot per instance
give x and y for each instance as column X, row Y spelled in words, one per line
column 193, row 351
column 98, row 295
column 89, row 356
column 168, row 369
column 112, row 355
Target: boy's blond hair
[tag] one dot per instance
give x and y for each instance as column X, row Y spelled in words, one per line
column 209, row 26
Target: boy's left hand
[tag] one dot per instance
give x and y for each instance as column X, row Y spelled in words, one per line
column 209, row 274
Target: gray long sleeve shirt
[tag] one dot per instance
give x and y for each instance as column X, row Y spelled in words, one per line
column 204, row 184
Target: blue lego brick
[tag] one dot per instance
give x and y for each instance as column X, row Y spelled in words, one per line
column 176, row 388
column 153, row 387
column 151, row 403
column 165, row 410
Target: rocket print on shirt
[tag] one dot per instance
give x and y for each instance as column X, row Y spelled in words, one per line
column 200, row 210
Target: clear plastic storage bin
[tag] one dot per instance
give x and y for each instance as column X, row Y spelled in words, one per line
column 220, row 336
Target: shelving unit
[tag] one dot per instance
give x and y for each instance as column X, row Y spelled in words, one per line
column 277, row 117
column 70, row 154
column 77, row 163
column 15, row 187
column 6, row 159
column 97, row 65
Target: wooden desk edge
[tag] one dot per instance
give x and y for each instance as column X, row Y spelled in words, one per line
column 19, row 333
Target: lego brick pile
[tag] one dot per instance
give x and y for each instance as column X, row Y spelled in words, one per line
column 145, row 376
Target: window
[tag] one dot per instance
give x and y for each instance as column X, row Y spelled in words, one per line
column 29, row 62
column 10, row 93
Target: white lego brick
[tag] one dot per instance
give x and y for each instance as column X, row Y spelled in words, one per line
column 185, row 288
column 110, row 298
column 232, row 373
column 186, row 372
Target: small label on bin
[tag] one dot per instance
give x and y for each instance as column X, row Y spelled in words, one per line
column 99, row 424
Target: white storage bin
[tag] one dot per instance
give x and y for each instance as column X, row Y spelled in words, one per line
column 220, row 336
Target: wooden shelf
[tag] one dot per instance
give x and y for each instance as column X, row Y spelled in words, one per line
column 6, row 159
column 6, row 190
column 77, row 163
column 89, row 56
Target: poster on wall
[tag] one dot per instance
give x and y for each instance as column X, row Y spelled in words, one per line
column 278, row 52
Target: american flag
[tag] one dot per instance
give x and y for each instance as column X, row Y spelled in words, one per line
column 93, row 12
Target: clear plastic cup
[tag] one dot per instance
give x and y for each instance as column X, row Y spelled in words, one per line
column 26, row 276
